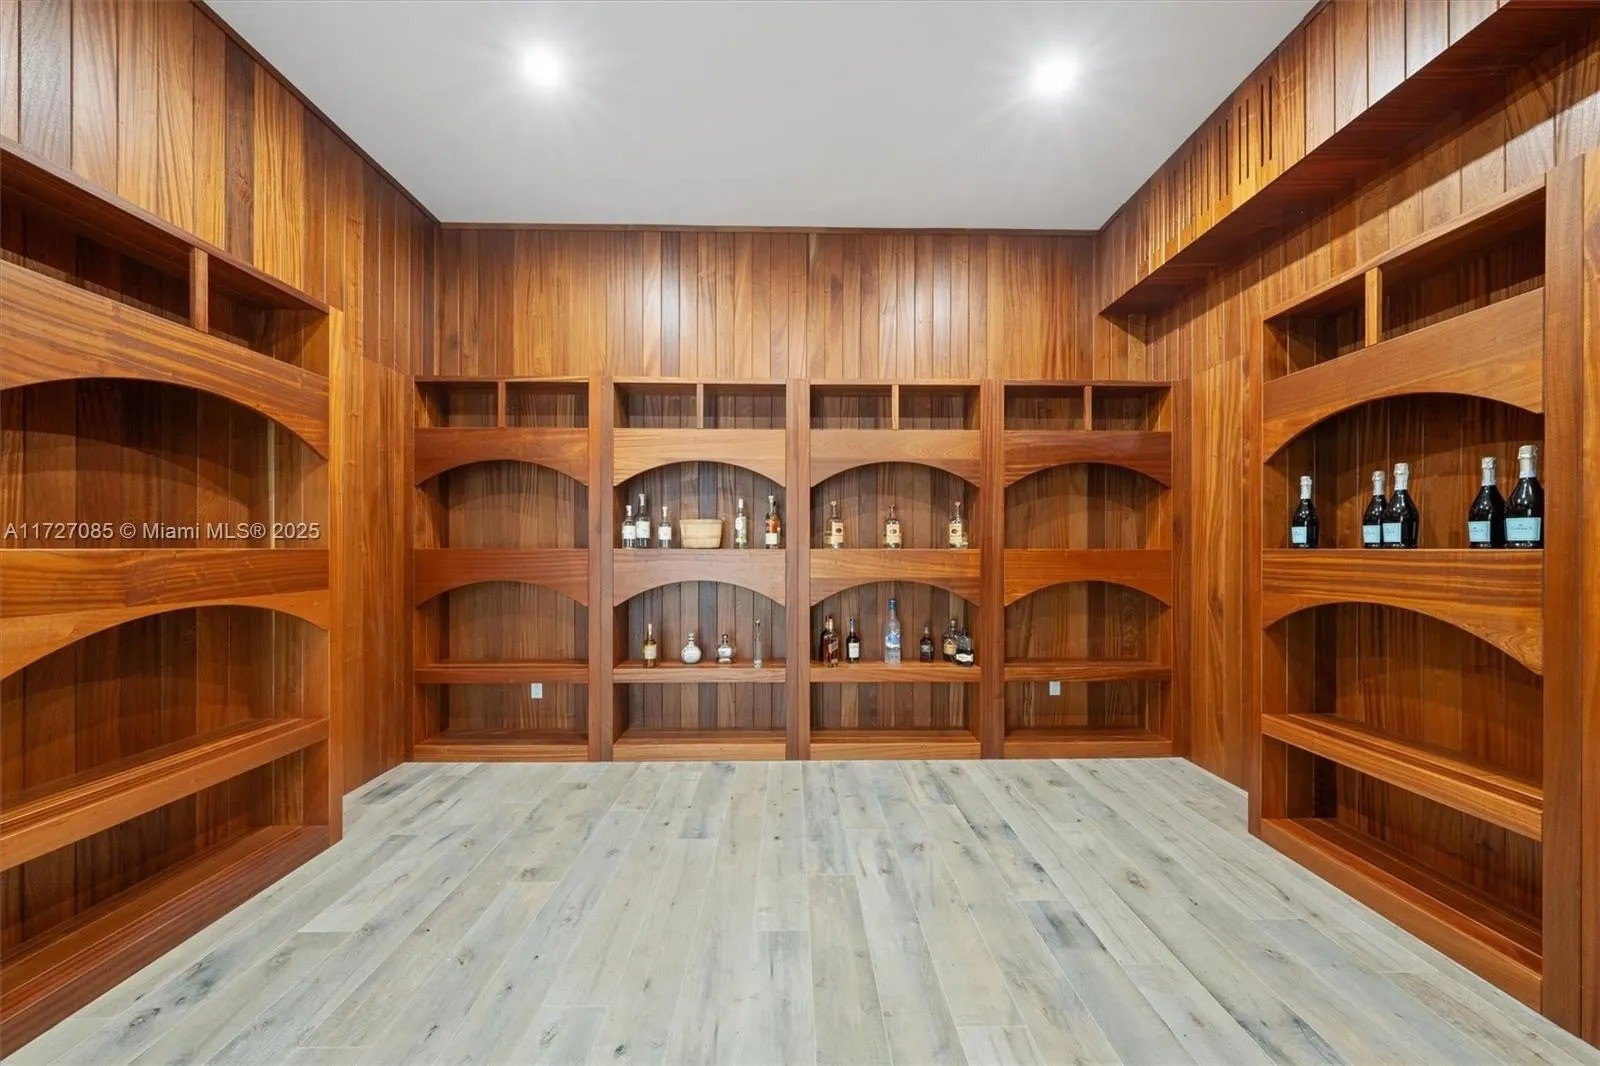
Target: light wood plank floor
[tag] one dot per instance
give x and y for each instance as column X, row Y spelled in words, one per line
column 918, row 912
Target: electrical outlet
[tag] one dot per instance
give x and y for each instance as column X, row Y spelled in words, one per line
column 1055, row 688
column 536, row 690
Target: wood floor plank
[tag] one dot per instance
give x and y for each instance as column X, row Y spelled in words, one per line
column 781, row 881
column 844, row 990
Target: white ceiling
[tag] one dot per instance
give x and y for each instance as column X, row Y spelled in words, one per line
column 697, row 113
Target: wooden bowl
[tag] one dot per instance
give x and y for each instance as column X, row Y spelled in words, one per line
column 700, row 532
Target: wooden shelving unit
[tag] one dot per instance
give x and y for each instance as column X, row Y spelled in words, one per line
column 1442, row 822
column 1087, row 573
column 215, row 595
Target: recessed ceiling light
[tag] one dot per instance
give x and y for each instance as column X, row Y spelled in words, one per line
column 1053, row 76
column 542, row 66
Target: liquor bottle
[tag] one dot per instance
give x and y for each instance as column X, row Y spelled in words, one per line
column 964, row 653
column 958, row 528
column 1372, row 517
column 891, row 636
column 828, row 644
column 741, row 527
column 756, row 659
column 925, row 646
column 652, row 653
column 774, row 531
column 1525, row 508
column 724, row 649
column 891, row 529
column 835, row 538
column 628, row 528
column 690, row 653
column 852, row 644
column 1403, row 521
column 1486, row 518
column 950, row 642
column 664, row 531
column 1304, row 528
column 641, row 525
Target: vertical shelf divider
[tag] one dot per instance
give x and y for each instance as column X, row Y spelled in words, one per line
column 797, row 561
column 990, row 726
column 602, row 618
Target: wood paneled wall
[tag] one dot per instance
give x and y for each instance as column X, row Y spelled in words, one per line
column 155, row 102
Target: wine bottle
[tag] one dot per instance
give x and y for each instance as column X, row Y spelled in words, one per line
column 835, row 526
column 773, row 535
column 741, row 526
column 641, row 525
column 664, row 530
column 950, row 641
column 1304, row 528
column 925, row 646
column 828, row 644
column 1403, row 521
column 891, row 529
column 652, row 653
column 1372, row 517
column 891, row 636
column 852, row 644
column 1486, row 518
column 1525, row 508
column 964, row 653
column 628, row 529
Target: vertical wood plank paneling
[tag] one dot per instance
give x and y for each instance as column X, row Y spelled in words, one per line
column 10, row 62
column 1350, row 61
column 1322, row 87
column 94, row 91
column 1386, row 47
column 209, row 77
column 175, row 103
column 137, row 107
column 45, row 95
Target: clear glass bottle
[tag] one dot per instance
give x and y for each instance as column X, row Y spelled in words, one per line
column 641, row 525
column 958, row 527
column 652, row 653
column 741, row 526
column 891, row 529
column 691, row 651
column 628, row 528
column 835, row 538
column 724, row 650
column 773, row 536
column 756, row 659
column 891, row 636
column 664, row 530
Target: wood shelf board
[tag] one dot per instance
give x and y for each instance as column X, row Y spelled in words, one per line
column 436, row 449
column 1086, row 670
column 909, row 672
column 1460, row 79
column 54, row 331
column 1147, row 570
column 1501, row 945
column 438, row 570
column 29, row 178
column 638, row 570
column 502, row 745
column 1085, row 743
column 1028, row 451
column 565, row 382
column 1060, row 386
column 955, row 570
column 699, row 745
column 1497, row 596
column 63, row 812
column 893, row 744
column 763, row 451
column 1494, row 352
column 958, row 451
column 53, row 597
column 635, row 672
column 1503, row 799
column 502, row 672
column 48, row 978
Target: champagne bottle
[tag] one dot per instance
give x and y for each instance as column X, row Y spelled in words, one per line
column 949, row 643
column 891, row 529
column 1403, row 522
column 641, row 525
column 652, row 653
column 828, row 644
column 852, row 644
column 835, row 526
column 1486, row 518
column 1304, row 528
column 628, row 528
column 1372, row 518
column 925, row 646
column 1525, row 508
column 741, row 526
column 891, row 636
column 664, row 530
column 773, row 536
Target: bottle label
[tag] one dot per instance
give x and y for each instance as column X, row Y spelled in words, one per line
column 891, row 537
column 958, row 536
column 664, row 534
column 649, row 653
column 949, row 649
column 1524, row 529
column 1372, row 534
column 853, row 652
column 1297, row 535
column 739, row 530
column 641, row 529
column 771, row 539
column 1391, row 532
column 1478, row 532
column 835, row 534
column 964, row 658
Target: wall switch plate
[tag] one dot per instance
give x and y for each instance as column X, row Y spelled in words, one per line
column 1055, row 688
column 536, row 690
